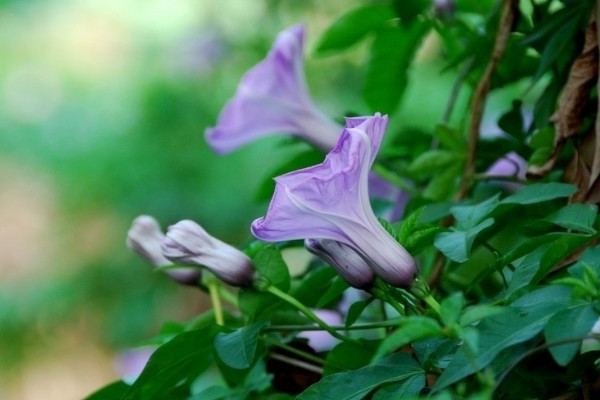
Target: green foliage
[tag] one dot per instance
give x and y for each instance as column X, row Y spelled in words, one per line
column 354, row 26
column 509, row 269
column 177, row 362
column 356, row 385
column 237, row 349
column 387, row 72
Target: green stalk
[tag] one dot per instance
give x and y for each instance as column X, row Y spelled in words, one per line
column 215, row 299
column 306, row 311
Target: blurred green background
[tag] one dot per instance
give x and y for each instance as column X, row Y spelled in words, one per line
column 103, row 106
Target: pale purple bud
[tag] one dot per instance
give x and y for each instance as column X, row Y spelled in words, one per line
column 331, row 201
column 145, row 237
column 188, row 243
column 346, row 261
column 272, row 98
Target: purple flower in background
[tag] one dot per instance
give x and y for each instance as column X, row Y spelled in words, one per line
column 511, row 164
column 189, row 244
column 331, row 201
column 319, row 340
column 346, row 261
column 273, row 97
column 145, row 238
column 130, row 363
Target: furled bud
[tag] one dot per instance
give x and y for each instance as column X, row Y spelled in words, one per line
column 145, row 238
column 350, row 265
column 189, row 244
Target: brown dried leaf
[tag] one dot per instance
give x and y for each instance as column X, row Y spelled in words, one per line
column 581, row 169
column 571, row 104
column 569, row 115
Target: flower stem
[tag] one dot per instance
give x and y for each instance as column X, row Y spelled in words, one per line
column 293, row 350
column 213, row 290
column 432, row 303
column 306, row 311
column 297, row 328
column 228, row 296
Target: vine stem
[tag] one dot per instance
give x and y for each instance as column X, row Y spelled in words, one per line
column 215, row 299
column 297, row 328
column 306, row 311
column 293, row 350
column 481, row 91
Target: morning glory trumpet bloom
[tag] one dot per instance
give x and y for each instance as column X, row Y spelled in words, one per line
column 188, row 243
column 145, row 237
column 272, row 97
column 331, row 201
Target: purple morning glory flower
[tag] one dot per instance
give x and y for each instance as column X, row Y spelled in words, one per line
column 273, row 97
column 331, row 201
column 188, row 243
column 145, row 237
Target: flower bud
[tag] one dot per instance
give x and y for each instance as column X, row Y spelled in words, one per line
column 145, row 237
column 350, row 265
column 189, row 244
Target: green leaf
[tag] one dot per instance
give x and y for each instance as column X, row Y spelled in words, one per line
column 512, row 121
column 527, row 247
column 317, row 281
column 356, row 385
column 409, row 329
column 408, row 225
column 255, row 304
column 451, row 308
column 442, row 185
column 577, row 216
column 402, row 390
column 237, row 349
column 355, row 310
column 421, row 239
column 478, row 312
column 387, row 72
column 113, row 391
column 181, row 360
column 334, row 292
column 523, row 319
column 408, row 10
column 469, row 216
column 539, row 192
column 558, row 251
column 433, row 161
column 348, row 356
column 570, row 323
column 457, row 245
column 451, row 138
column 269, row 264
column 213, row 393
column 591, row 259
column 562, row 37
column 353, row 26
column 543, row 138
column 526, row 267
